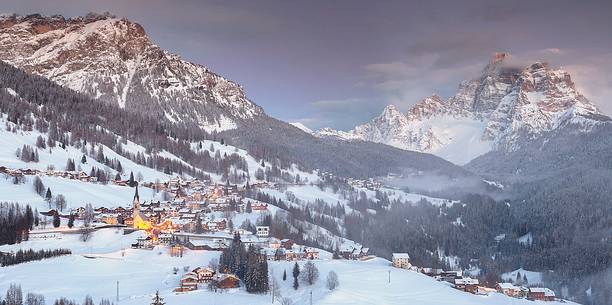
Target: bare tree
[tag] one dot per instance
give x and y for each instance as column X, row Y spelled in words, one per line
column 86, row 234
column 39, row 187
column 105, row 302
column 88, row 215
column 286, row 301
column 88, row 300
column 35, row 299
column 60, row 202
column 14, row 296
column 332, row 280
column 214, row 264
column 309, row 273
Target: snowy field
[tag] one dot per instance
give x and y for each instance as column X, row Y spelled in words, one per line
column 141, row 272
column 77, row 193
column 310, row 193
column 58, row 157
column 533, row 277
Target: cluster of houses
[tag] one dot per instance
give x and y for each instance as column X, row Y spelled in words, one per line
column 531, row 293
column 369, row 184
column 472, row 285
column 354, row 251
column 202, row 276
column 187, row 221
column 73, row 175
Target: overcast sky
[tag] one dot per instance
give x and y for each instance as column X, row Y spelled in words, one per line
column 338, row 63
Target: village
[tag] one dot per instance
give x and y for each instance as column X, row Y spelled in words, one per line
column 189, row 220
column 467, row 284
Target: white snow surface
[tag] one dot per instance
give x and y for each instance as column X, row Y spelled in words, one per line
column 533, row 277
column 141, row 273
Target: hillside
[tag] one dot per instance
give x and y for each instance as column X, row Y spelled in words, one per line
column 363, row 281
column 130, row 74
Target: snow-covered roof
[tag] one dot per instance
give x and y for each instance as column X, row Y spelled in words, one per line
column 508, row 286
column 467, row 281
column 401, row 256
column 547, row 292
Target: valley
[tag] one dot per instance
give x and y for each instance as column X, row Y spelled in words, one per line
column 129, row 173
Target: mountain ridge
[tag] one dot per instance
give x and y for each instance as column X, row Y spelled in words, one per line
column 492, row 112
column 114, row 60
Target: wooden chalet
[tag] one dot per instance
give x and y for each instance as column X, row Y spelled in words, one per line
column 540, row 294
column 189, row 282
column 205, row 275
column 467, row 284
column 509, row 289
column 226, row 281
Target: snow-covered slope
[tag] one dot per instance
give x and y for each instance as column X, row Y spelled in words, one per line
column 114, row 60
column 141, row 273
column 504, row 105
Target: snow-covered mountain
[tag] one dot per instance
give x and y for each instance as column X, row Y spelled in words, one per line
column 114, row 60
column 494, row 111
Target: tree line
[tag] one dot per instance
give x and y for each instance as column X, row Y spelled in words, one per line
column 249, row 265
column 15, row 222
column 22, row 256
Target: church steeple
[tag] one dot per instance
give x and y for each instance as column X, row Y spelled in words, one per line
column 136, row 199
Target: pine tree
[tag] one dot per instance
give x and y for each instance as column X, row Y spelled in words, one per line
column 296, row 274
column 83, row 159
column 56, row 220
column 157, row 300
column 48, row 196
column 71, row 221
column 249, row 209
column 284, row 275
column 131, row 182
column 199, row 227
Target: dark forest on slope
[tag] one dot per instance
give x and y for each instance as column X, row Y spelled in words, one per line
column 268, row 139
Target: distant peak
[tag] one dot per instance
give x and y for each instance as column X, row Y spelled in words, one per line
column 434, row 98
column 390, row 111
column 302, row 127
column 499, row 57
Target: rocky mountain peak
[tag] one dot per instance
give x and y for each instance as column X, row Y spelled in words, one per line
column 114, row 60
column 505, row 105
column 499, row 57
column 427, row 107
column 390, row 111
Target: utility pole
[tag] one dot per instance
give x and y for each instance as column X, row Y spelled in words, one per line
column 117, row 291
column 272, row 290
column 311, row 297
column 389, row 276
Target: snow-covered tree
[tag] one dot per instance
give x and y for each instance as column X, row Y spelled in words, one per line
column 310, row 273
column 14, row 296
column 332, row 280
column 157, row 300
column 34, row 299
